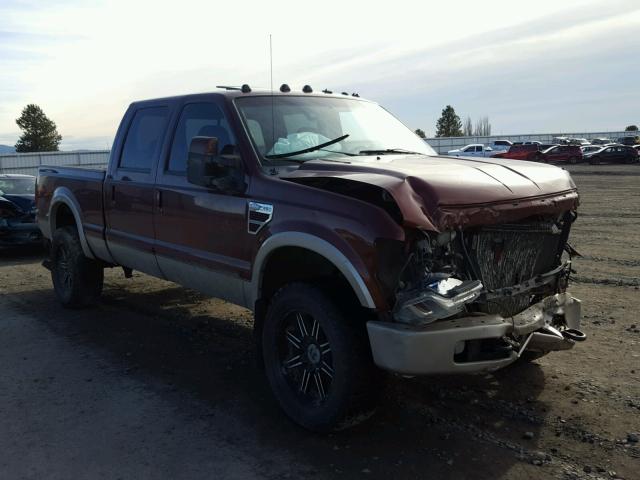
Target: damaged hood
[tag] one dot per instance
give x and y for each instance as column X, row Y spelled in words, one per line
column 440, row 193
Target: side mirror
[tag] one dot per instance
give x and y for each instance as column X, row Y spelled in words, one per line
column 206, row 168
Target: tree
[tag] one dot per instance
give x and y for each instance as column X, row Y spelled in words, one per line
column 483, row 127
column 631, row 128
column 420, row 133
column 467, row 129
column 39, row 133
column 449, row 124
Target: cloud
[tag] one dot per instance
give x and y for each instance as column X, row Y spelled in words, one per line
column 555, row 66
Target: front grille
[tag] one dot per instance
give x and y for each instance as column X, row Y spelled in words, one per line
column 509, row 254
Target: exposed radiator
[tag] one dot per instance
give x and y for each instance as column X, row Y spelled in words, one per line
column 510, row 254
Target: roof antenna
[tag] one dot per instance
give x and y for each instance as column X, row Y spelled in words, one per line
column 273, row 115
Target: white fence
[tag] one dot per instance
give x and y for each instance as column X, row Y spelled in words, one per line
column 28, row 163
column 444, row 144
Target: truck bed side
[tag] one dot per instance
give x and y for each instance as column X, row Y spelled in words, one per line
column 73, row 196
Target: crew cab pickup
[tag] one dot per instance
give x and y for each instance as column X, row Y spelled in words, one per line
column 356, row 246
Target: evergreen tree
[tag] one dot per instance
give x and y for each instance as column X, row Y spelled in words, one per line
column 631, row 128
column 39, row 133
column 420, row 133
column 449, row 124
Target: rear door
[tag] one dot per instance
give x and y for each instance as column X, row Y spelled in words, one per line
column 549, row 156
column 201, row 234
column 620, row 154
column 129, row 188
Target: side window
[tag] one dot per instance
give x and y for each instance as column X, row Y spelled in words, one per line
column 144, row 138
column 198, row 120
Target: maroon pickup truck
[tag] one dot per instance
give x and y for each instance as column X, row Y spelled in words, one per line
column 356, row 246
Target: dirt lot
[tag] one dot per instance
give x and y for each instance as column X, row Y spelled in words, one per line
column 160, row 382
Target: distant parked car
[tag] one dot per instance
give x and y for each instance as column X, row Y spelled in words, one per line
column 501, row 145
column 473, row 150
column 545, row 146
column 521, row 152
column 614, row 154
column 629, row 140
column 562, row 153
column 532, row 142
column 18, row 211
column 601, row 141
column 560, row 140
column 590, row 148
column 579, row 141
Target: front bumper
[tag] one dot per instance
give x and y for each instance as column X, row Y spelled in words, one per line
column 432, row 349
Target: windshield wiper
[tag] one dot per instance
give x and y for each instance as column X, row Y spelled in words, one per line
column 307, row 150
column 341, row 153
column 389, row 150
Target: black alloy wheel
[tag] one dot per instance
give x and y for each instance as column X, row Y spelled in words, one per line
column 317, row 358
column 305, row 357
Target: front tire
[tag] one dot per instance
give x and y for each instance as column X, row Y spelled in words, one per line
column 77, row 280
column 317, row 360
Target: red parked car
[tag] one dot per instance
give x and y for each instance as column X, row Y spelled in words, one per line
column 562, row 153
column 521, row 152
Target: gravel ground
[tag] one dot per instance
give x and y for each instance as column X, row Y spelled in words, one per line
column 158, row 381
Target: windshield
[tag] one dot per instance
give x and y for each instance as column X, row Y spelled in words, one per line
column 281, row 125
column 17, row 186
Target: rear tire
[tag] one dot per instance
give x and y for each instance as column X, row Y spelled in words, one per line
column 77, row 280
column 317, row 360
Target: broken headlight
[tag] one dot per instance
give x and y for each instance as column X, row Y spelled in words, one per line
column 439, row 296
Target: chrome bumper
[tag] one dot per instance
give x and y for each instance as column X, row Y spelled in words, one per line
column 430, row 349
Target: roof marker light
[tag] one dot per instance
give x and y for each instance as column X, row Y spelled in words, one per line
column 307, row 89
column 326, row 91
column 284, row 88
column 245, row 88
column 355, row 95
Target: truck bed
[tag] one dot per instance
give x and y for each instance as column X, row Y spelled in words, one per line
column 83, row 188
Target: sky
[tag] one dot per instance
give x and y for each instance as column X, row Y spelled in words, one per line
column 532, row 67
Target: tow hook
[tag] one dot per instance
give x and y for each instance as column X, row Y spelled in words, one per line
column 574, row 334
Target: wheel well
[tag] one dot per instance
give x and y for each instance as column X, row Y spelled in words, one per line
column 64, row 217
column 296, row 264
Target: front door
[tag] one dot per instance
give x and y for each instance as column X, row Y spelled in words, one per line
column 201, row 234
column 129, row 190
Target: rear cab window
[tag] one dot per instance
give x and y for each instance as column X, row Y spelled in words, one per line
column 144, row 139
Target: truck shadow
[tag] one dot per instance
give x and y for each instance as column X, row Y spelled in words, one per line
column 443, row 427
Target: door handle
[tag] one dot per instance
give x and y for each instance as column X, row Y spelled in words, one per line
column 113, row 194
column 159, row 200
column 126, row 179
